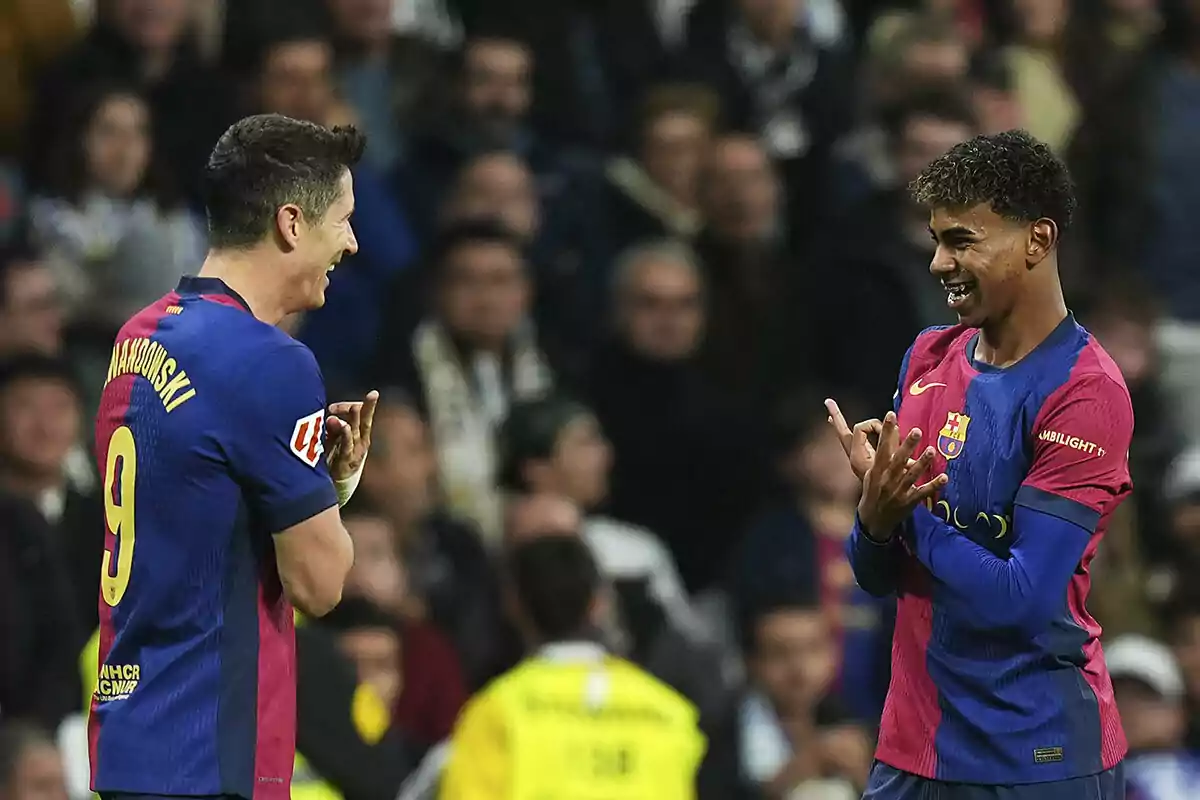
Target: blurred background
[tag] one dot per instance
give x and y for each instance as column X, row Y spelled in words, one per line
column 613, row 255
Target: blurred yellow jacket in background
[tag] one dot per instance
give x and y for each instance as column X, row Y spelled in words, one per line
column 574, row 723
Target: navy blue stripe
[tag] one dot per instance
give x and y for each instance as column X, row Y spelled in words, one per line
column 283, row 517
column 237, row 710
column 1058, row 506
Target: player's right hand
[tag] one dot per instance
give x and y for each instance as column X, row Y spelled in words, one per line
column 349, row 426
column 890, row 488
column 857, row 441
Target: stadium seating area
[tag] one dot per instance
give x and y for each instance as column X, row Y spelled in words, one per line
column 613, row 256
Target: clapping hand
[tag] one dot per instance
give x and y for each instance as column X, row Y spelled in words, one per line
column 890, row 489
column 349, row 427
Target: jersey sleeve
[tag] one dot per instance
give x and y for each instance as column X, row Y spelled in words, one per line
column 277, row 441
column 1080, row 466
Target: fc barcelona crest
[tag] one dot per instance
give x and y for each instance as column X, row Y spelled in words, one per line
column 953, row 435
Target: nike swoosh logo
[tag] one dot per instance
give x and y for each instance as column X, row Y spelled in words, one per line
column 917, row 388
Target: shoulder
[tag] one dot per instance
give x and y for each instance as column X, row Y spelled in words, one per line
column 1093, row 383
column 655, row 692
column 637, row 542
column 932, row 346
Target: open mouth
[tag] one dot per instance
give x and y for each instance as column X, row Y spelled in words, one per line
column 958, row 292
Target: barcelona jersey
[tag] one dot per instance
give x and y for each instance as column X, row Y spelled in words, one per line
column 209, row 439
column 1050, row 436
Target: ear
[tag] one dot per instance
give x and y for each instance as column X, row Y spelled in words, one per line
column 288, row 219
column 1043, row 238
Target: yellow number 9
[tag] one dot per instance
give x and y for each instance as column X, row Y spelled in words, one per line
column 118, row 513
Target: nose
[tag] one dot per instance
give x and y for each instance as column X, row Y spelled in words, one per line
column 942, row 263
column 352, row 243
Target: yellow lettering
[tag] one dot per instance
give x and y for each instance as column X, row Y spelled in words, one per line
column 1073, row 442
column 150, row 360
column 164, row 374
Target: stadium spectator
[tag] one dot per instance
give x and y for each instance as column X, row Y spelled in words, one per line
column 31, row 307
column 555, row 588
column 689, row 458
column 791, row 731
column 40, row 425
column 294, row 78
column 108, row 215
column 1150, row 693
column 756, row 298
column 149, row 45
column 1182, row 626
column 30, row 764
column 410, row 666
column 469, row 359
column 553, row 445
column 38, row 679
column 798, row 543
column 653, row 192
column 450, row 580
column 993, row 94
column 388, row 77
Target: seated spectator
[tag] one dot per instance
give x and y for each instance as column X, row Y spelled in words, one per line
column 468, row 360
column 108, row 216
column 31, row 767
column 553, row 445
column 1183, row 634
column 154, row 48
column 31, row 307
column 388, row 78
column 450, row 582
column 411, row 667
column 652, row 193
column 799, row 544
column 689, row 459
column 39, row 644
column 555, row 588
column 40, row 425
column 791, row 732
column 488, row 98
column 1150, row 695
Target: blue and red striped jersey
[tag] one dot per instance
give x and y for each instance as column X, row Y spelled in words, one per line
column 209, row 438
column 971, row 701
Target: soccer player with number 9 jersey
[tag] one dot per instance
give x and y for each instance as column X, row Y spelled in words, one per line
column 223, row 475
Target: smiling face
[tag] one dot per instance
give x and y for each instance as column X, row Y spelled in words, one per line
column 317, row 246
column 984, row 260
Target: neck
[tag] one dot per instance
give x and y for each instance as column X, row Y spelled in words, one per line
column 156, row 63
column 244, row 272
column 1010, row 339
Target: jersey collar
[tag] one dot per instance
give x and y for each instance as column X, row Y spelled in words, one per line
column 571, row 651
column 191, row 284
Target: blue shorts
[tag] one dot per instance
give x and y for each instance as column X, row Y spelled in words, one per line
column 889, row 783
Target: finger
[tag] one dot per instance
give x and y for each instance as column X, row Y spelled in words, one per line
column 863, row 430
column 926, row 491
column 916, row 469
column 837, row 420
column 887, row 440
column 355, row 422
column 904, row 453
column 343, row 409
column 368, row 415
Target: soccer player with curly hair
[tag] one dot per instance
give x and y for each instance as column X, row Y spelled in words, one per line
column 984, row 516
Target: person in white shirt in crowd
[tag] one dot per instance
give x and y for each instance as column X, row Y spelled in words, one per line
column 1150, row 694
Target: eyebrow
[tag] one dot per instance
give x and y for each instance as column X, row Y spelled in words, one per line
column 956, row 232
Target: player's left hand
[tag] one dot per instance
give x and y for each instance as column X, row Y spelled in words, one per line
column 349, row 433
column 890, row 489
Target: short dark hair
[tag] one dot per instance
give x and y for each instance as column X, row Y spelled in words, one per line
column 18, row 254
column 555, row 579
column 946, row 103
column 265, row 161
column 32, row 366
column 470, row 232
column 1017, row 175
column 800, row 597
column 531, row 430
column 355, row 613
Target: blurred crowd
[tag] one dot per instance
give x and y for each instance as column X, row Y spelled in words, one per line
column 613, row 255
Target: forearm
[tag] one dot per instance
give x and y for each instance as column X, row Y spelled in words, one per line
column 986, row 591
column 876, row 564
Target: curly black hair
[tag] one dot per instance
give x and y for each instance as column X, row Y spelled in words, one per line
column 1019, row 176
